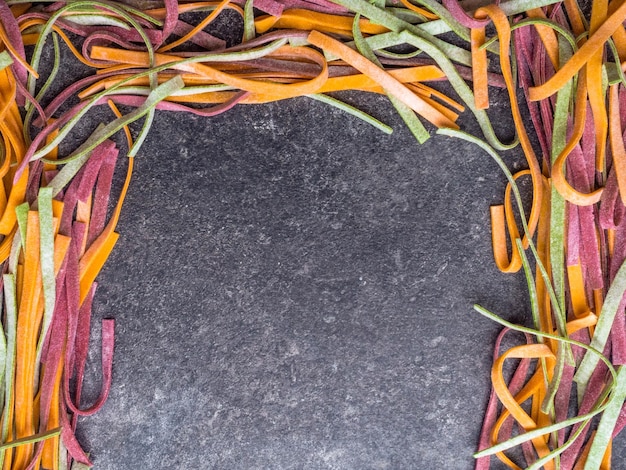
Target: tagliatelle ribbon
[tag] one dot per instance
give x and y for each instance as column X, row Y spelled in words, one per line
column 503, row 30
column 558, row 169
column 595, row 89
column 390, row 84
column 581, row 57
column 535, row 351
column 616, row 139
column 503, row 222
column 479, row 68
column 340, row 83
column 260, row 87
column 547, row 36
column 199, row 27
column 310, row 20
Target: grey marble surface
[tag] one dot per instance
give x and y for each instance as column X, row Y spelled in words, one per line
column 293, row 290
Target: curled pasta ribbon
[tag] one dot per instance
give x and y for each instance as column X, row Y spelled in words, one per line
column 32, row 40
column 13, row 148
column 559, row 180
column 389, row 83
column 595, row 43
column 503, row 30
column 586, row 321
column 199, row 27
column 534, row 388
column 503, row 221
column 266, row 89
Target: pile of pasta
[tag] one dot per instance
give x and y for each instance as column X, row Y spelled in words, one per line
column 563, row 404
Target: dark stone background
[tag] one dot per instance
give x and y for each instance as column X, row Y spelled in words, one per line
column 294, row 289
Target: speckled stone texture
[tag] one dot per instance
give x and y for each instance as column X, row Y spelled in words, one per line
column 293, row 290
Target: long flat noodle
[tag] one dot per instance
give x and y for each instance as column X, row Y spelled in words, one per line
column 49, row 387
column 532, row 289
column 581, row 418
column 10, row 298
column 542, row 285
column 72, row 292
column 491, row 414
column 504, row 33
column 32, row 439
column 353, row 111
column 526, row 351
column 557, row 203
column 158, row 94
column 595, row 42
column 101, row 198
column 575, row 16
column 558, row 176
column 16, row 197
column 93, row 260
column 93, row 19
column 26, row 335
column 503, row 221
column 80, row 352
column 223, row 105
column 379, row 16
column 363, row 82
column 107, row 365
column 208, row 20
column 413, row 123
column 310, row 20
column 595, row 90
column 71, row 444
column 603, row 327
column 590, row 252
column 479, row 68
column 618, row 151
column 389, row 83
column 592, row 395
column 46, row 227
